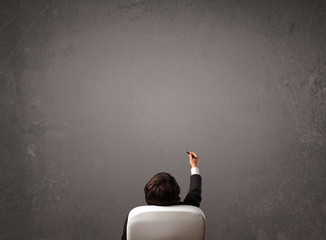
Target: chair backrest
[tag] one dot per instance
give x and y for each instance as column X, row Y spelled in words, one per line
column 178, row 222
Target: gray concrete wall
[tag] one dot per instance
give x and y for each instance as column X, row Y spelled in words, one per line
column 98, row 96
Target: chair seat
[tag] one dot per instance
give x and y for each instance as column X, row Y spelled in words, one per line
column 178, row 222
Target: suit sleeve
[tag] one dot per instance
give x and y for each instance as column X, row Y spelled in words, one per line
column 194, row 195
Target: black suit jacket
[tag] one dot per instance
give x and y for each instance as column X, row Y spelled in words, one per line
column 193, row 198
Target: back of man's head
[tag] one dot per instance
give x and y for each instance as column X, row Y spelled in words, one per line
column 162, row 190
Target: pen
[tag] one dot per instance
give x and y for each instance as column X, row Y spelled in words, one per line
column 191, row 155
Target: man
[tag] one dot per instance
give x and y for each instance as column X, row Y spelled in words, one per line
column 163, row 190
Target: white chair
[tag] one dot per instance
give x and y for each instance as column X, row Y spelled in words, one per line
column 178, row 222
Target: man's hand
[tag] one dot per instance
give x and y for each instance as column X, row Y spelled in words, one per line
column 193, row 159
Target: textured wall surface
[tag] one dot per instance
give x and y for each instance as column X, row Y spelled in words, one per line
column 98, row 96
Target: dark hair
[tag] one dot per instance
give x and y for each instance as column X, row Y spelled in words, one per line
column 162, row 190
